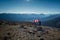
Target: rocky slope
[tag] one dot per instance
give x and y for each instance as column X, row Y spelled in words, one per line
column 28, row 31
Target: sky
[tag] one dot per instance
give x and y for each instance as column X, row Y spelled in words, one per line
column 30, row 6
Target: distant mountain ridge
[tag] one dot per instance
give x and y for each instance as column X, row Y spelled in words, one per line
column 27, row 17
column 46, row 19
column 21, row 17
column 53, row 22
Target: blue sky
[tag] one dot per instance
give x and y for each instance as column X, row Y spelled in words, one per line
column 30, row 6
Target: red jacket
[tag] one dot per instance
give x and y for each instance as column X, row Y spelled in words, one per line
column 36, row 20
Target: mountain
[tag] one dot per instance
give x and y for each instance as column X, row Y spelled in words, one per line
column 28, row 31
column 22, row 17
column 46, row 19
column 55, row 22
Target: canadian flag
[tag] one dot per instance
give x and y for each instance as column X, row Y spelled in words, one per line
column 36, row 20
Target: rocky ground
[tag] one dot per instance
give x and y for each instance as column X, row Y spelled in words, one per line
column 28, row 31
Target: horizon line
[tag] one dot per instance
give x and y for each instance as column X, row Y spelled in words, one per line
column 30, row 12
